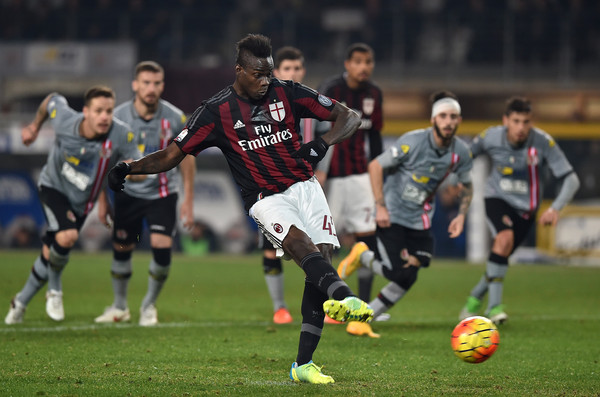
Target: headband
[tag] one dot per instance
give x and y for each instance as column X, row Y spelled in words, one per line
column 444, row 104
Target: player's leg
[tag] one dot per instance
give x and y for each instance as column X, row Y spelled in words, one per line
column 273, row 271
column 127, row 228
column 61, row 235
column 161, row 215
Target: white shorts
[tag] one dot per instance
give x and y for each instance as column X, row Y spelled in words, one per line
column 351, row 203
column 302, row 205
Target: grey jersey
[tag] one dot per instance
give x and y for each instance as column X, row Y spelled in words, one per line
column 77, row 166
column 153, row 135
column 515, row 176
column 416, row 166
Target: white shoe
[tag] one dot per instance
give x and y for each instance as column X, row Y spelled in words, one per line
column 54, row 305
column 113, row 315
column 148, row 316
column 16, row 312
column 383, row 317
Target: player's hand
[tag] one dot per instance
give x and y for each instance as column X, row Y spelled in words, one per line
column 456, row 226
column 549, row 217
column 28, row 134
column 116, row 176
column 382, row 216
column 313, row 151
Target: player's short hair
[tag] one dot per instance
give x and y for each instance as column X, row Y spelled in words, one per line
column 97, row 91
column 517, row 104
column 253, row 45
column 148, row 66
column 288, row 52
column 358, row 47
column 436, row 96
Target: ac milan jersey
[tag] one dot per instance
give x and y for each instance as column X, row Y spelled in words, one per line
column 416, row 167
column 257, row 137
column 76, row 166
column 153, row 135
column 349, row 156
column 515, row 176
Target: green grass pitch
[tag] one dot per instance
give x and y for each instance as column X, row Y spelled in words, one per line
column 216, row 337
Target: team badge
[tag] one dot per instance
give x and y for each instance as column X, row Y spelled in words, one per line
column 106, row 151
column 323, row 100
column 277, row 111
column 507, row 221
column 533, row 159
column 121, row 234
column 278, row 228
column 71, row 216
column 182, row 135
column 165, row 129
column 368, row 106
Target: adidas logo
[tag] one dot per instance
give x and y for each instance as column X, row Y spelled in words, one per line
column 239, row 124
column 313, row 153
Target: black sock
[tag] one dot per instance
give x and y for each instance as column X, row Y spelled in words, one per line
column 312, row 322
column 324, row 276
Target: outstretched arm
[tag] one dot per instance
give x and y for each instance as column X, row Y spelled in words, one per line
column 154, row 163
column 30, row 132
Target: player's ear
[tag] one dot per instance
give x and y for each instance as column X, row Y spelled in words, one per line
column 134, row 85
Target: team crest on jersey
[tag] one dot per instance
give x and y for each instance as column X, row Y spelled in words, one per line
column 368, row 106
column 105, row 152
column 278, row 228
column 165, row 129
column 277, row 111
column 533, row 159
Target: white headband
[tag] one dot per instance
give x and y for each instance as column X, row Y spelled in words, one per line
column 444, row 104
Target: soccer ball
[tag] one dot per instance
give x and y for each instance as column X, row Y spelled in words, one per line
column 475, row 339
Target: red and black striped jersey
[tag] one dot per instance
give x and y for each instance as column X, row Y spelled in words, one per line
column 257, row 137
column 349, row 156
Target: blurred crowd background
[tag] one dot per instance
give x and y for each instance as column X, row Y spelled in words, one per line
column 482, row 50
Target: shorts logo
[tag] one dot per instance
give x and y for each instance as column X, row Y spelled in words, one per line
column 323, row 100
column 71, row 216
column 507, row 221
column 404, row 254
column 121, row 234
column 277, row 111
column 278, row 228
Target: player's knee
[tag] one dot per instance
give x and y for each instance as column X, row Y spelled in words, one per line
column 59, row 255
column 272, row 266
column 503, row 243
column 424, row 258
column 67, row 238
column 496, row 268
column 162, row 256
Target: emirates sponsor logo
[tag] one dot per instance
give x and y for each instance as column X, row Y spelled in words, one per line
column 265, row 140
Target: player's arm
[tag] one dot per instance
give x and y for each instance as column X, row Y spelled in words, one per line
column 30, row 132
column 104, row 210
column 346, row 122
column 382, row 216
column 465, row 196
column 154, row 163
column 569, row 187
column 188, row 173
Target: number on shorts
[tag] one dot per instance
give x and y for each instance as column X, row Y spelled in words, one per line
column 328, row 225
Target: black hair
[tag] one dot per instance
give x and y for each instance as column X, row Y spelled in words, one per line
column 358, row 47
column 517, row 104
column 255, row 45
column 288, row 52
column 148, row 66
column 97, row 91
column 436, row 96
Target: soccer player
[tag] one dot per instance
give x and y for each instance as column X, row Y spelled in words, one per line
column 87, row 144
column 255, row 123
column 154, row 121
column 348, row 189
column 520, row 153
column 289, row 65
column 416, row 165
